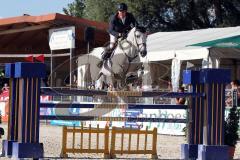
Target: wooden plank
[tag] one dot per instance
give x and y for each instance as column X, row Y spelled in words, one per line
column 89, row 137
column 129, row 139
column 145, row 144
column 138, row 138
column 97, row 137
column 133, row 152
column 113, row 139
column 86, row 130
column 81, row 143
column 106, row 140
column 73, row 134
column 122, row 137
column 69, row 150
column 124, row 93
column 64, row 141
column 154, row 142
column 133, row 131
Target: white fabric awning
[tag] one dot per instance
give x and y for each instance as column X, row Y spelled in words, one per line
column 191, row 54
column 167, row 45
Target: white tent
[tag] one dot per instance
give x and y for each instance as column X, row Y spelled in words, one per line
column 168, row 45
column 176, row 46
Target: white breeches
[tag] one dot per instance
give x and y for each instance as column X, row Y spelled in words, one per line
column 113, row 40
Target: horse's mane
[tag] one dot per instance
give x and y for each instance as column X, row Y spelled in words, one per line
column 137, row 28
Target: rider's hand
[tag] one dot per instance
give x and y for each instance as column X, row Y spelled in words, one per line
column 119, row 35
column 122, row 35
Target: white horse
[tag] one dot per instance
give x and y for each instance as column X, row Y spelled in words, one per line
column 124, row 61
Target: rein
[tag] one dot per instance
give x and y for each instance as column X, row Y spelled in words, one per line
column 130, row 59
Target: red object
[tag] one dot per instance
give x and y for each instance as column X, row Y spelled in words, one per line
column 4, row 105
column 29, row 59
column 231, row 152
column 40, row 58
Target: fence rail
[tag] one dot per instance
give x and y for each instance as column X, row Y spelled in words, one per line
column 89, row 149
column 130, row 132
column 114, row 140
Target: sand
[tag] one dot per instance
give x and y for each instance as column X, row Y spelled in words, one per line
column 168, row 147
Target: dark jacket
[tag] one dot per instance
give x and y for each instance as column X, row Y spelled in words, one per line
column 116, row 26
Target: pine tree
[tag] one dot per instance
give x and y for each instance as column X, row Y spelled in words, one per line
column 167, row 15
column 232, row 126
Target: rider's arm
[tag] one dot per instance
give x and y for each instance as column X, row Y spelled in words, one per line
column 111, row 27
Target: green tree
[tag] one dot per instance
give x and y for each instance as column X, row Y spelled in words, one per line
column 99, row 10
column 75, row 9
column 165, row 15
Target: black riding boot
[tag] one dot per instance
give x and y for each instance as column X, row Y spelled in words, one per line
column 105, row 55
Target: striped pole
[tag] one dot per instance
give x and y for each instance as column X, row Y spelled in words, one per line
column 28, row 77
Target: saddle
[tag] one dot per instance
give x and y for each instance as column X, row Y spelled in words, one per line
column 106, row 54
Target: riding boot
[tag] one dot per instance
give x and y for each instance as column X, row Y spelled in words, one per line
column 105, row 55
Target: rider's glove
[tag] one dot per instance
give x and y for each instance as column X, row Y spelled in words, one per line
column 122, row 35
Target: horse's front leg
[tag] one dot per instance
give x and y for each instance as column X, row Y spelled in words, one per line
column 119, row 84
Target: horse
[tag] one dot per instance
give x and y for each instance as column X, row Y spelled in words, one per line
column 124, row 62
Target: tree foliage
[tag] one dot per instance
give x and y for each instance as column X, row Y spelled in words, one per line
column 164, row 15
column 99, row 10
column 231, row 126
column 75, row 9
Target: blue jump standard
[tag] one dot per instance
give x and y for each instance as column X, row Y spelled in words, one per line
column 23, row 132
column 207, row 122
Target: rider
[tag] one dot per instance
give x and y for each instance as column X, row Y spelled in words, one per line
column 120, row 24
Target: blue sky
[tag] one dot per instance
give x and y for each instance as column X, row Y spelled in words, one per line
column 12, row 8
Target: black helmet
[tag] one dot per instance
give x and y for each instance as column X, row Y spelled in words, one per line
column 122, row 7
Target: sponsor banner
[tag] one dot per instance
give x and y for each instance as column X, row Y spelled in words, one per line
column 163, row 127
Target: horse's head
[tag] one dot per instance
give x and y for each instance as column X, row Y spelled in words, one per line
column 140, row 38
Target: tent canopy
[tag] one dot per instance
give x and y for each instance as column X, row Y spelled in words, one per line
column 231, row 42
column 194, row 44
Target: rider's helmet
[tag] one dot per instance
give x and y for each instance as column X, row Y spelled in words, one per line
column 122, row 7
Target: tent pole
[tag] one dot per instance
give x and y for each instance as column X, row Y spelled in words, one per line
column 51, row 70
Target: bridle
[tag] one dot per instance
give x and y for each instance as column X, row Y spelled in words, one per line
column 130, row 59
column 138, row 44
